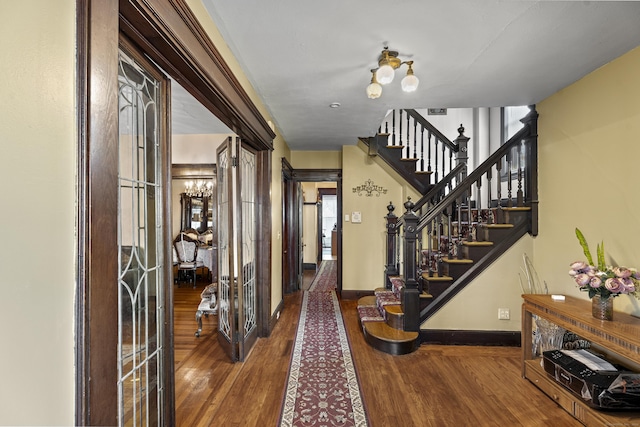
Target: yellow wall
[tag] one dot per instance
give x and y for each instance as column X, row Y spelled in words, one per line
column 280, row 150
column 476, row 306
column 364, row 244
column 316, row 159
column 37, row 186
column 588, row 159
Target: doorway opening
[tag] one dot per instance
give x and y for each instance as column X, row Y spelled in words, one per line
column 310, row 233
column 328, row 222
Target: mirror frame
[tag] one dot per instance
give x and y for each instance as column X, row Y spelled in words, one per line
column 203, row 171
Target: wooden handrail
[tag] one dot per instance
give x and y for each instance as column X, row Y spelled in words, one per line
column 473, row 177
column 440, row 186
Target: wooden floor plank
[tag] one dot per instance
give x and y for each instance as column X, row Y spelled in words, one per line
column 434, row 386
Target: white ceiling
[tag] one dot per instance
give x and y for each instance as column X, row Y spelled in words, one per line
column 188, row 116
column 302, row 56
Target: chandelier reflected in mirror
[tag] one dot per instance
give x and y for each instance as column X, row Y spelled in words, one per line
column 388, row 62
column 198, row 188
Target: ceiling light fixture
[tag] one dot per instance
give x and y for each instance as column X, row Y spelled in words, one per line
column 388, row 62
column 374, row 90
column 198, row 188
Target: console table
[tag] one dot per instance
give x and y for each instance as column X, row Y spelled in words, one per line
column 618, row 339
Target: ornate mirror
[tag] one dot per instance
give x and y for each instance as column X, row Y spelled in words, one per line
column 194, row 188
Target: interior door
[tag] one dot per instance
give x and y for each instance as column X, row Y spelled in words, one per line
column 289, row 230
column 237, row 248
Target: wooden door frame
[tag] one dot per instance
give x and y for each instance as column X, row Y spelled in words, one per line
column 297, row 176
column 169, row 34
column 289, row 223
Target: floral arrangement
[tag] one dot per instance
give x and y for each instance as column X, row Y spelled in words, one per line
column 602, row 279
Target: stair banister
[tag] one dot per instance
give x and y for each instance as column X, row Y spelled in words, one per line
column 459, row 172
column 476, row 175
column 432, row 194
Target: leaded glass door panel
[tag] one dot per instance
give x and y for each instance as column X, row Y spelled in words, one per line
column 237, row 243
column 141, row 279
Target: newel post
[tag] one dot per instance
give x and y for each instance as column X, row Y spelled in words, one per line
column 462, row 143
column 410, row 294
column 391, row 267
column 531, row 170
column 462, row 156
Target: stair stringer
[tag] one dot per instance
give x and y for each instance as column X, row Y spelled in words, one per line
column 475, row 269
column 403, row 168
column 408, row 189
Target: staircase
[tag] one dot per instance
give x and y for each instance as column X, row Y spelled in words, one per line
column 461, row 224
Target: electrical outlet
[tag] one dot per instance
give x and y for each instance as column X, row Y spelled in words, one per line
column 503, row 314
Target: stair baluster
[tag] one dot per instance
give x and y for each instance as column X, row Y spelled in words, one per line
column 429, row 152
column 400, row 143
column 415, row 139
column 408, row 137
column 393, row 127
column 422, row 149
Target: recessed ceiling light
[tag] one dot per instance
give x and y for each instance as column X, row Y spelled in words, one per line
column 334, row 105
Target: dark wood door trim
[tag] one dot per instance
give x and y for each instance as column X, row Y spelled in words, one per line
column 327, row 175
column 264, row 258
column 168, row 33
column 96, row 316
column 289, row 225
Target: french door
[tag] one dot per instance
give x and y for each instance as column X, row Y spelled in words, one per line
column 237, row 248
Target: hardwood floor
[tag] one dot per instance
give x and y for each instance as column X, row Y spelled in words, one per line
column 434, row 386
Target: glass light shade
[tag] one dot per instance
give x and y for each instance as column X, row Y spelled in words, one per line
column 409, row 83
column 385, row 74
column 374, row 90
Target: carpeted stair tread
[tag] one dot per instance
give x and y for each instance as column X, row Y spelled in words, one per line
column 379, row 291
column 385, row 332
column 369, row 313
column 367, row 301
column 387, row 299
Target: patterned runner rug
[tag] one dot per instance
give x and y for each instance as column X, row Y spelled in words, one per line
column 322, row 388
column 326, row 278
